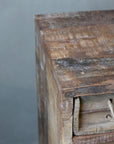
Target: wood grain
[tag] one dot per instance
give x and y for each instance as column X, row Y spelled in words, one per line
column 76, row 116
column 94, row 139
column 75, row 59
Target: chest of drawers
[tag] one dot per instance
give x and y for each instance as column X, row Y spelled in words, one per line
column 75, row 77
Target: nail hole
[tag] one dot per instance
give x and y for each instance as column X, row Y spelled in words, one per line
column 111, row 100
column 108, row 116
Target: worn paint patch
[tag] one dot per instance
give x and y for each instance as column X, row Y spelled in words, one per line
column 84, row 64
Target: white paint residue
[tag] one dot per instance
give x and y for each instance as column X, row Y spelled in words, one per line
column 61, row 106
column 41, row 32
column 41, row 65
column 64, row 48
column 70, row 36
column 67, row 105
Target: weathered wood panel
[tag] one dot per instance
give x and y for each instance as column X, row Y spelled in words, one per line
column 57, row 21
column 94, row 139
column 54, row 125
column 48, row 99
column 42, row 100
column 75, row 59
column 93, row 114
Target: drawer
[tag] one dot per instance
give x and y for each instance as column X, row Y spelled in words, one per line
column 93, row 114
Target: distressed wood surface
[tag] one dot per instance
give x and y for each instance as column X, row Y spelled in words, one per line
column 93, row 115
column 95, row 139
column 75, row 58
column 76, row 116
column 82, row 58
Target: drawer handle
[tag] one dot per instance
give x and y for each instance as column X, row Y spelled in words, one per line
column 111, row 117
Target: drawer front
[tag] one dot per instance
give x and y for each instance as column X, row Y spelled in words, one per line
column 93, row 114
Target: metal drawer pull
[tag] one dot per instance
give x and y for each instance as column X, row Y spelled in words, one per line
column 111, row 117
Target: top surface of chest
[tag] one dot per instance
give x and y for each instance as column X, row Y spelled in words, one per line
column 80, row 48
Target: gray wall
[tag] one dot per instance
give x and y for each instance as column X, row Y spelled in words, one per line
column 18, row 102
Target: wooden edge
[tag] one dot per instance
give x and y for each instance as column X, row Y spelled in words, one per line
column 68, row 14
column 94, row 139
column 76, row 115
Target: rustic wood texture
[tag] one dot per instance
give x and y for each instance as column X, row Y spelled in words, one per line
column 76, row 116
column 75, row 58
column 95, row 115
column 94, row 139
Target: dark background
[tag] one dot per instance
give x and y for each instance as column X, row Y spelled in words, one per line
column 18, row 100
